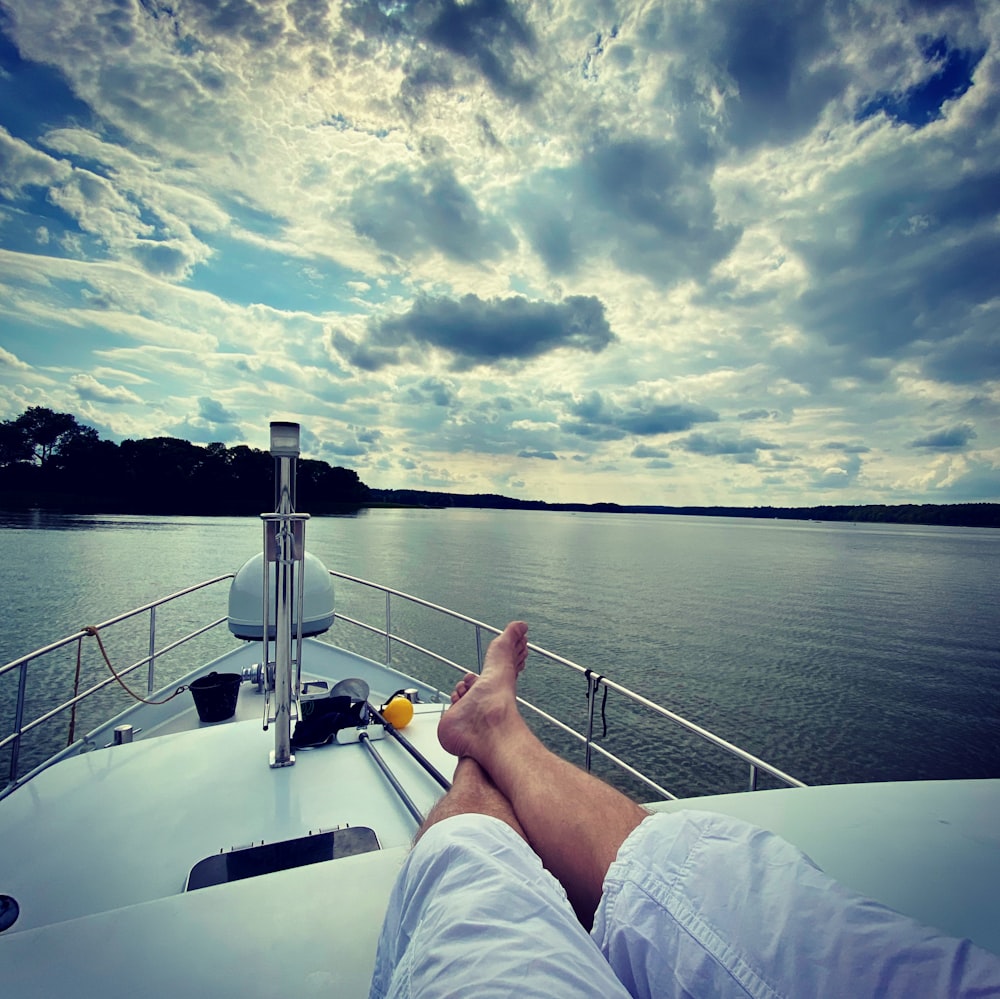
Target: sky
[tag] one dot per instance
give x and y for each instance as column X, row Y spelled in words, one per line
column 735, row 252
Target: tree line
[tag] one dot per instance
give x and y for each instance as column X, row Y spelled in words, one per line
column 51, row 461
column 942, row 514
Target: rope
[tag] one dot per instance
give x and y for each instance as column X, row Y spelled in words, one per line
column 92, row 630
column 593, row 682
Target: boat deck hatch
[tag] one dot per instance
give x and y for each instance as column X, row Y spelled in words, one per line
column 267, row 858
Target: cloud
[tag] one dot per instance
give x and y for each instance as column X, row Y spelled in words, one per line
column 89, row 388
column 486, row 33
column 973, row 354
column 213, row 423
column 846, row 448
column 474, row 331
column 947, row 439
column 740, row 449
column 842, row 475
column 407, row 213
column 645, row 451
column 126, row 226
column 435, row 391
column 644, row 203
column 950, row 76
column 23, row 166
column 544, row 455
column 487, row 36
column 977, row 482
column 598, row 418
column 12, row 361
column 777, row 62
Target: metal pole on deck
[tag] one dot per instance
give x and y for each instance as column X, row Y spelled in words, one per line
column 285, row 450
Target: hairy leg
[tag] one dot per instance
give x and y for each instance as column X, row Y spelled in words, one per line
column 471, row 791
column 572, row 820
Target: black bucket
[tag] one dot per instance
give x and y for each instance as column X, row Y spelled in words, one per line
column 215, row 695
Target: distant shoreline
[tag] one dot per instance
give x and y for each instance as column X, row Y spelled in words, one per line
column 926, row 514
column 49, row 461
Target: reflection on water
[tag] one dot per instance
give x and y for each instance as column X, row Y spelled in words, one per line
column 837, row 652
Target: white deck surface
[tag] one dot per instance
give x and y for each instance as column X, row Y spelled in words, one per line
column 96, row 851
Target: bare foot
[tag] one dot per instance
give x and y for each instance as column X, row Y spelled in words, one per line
column 484, row 706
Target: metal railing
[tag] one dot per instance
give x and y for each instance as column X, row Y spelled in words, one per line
column 21, row 728
column 595, row 682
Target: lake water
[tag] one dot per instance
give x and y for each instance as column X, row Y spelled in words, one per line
column 837, row 652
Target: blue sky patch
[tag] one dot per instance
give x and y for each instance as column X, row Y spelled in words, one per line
column 921, row 104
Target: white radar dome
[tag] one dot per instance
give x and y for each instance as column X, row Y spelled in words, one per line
column 246, row 609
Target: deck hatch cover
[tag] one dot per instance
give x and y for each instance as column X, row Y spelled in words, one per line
column 266, row 858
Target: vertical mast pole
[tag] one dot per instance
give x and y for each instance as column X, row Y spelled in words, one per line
column 285, row 450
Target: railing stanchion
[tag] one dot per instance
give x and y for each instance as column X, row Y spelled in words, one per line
column 591, row 700
column 388, row 628
column 753, row 776
column 151, row 672
column 479, row 649
column 15, row 748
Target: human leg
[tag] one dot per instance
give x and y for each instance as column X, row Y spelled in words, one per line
column 572, row 820
column 698, row 903
column 471, row 792
column 473, row 912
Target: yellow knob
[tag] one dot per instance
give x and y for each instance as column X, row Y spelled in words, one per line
column 398, row 712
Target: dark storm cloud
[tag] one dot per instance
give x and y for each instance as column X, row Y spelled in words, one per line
column 407, row 213
column 597, row 419
column 772, row 53
column 482, row 331
column 487, row 35
column 948, row 439
column 777, row 64
column 645, row 203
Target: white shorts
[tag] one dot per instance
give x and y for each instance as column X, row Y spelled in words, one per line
column 696, row 904
column 474, row 913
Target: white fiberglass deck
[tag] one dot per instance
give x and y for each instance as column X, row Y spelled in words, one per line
column 96, row 851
